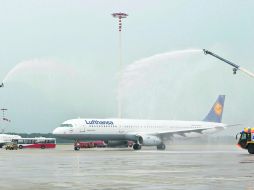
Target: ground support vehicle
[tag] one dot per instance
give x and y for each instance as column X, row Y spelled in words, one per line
column 36, row 142
column 90, row 144
column 246, row 140
column 11, row 146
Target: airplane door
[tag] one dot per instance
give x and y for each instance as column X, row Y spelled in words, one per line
column 82, row 129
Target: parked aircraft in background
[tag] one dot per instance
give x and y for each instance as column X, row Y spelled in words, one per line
column 6, row 138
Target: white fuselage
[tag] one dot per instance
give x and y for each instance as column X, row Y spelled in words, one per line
column 142, row 132
column 129, row 129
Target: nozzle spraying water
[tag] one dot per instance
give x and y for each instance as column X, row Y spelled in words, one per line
column 205, row 51
column 235, row 66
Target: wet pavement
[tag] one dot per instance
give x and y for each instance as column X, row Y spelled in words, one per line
column 178, row 167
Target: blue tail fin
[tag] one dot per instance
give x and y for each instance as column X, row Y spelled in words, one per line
column 215, row 114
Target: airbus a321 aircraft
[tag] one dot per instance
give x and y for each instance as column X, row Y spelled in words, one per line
column 142, row 132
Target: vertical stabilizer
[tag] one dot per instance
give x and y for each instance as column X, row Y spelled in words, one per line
column 215, row 114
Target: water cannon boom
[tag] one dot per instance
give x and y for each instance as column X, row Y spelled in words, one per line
column 235, row 66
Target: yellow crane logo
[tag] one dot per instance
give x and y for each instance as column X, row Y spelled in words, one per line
column 218, row 109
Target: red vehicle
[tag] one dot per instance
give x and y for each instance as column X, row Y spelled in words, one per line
column 78, row 145
column 37, row 142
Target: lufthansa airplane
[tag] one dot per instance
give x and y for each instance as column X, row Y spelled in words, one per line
column 141, row 132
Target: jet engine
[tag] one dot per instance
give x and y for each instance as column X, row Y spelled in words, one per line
column 148, row 140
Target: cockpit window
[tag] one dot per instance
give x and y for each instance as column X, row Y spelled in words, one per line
column 66, row 125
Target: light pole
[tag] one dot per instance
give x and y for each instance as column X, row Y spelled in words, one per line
column 120, row 16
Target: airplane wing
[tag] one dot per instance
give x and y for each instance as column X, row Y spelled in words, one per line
column 168, row 134
column 232, row 125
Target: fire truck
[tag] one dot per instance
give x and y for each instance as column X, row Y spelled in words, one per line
column 246, row 140
column 91, row 144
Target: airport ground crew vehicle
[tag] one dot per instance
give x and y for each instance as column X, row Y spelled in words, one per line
column 78, row 145
column 11, row 146
column 246, row 140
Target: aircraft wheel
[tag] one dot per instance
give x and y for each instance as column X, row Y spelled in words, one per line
column 136, row 146
column 76, row 148
column 161, row 147
column 251, row 148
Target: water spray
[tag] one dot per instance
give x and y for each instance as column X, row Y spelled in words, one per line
column 235, row 66
column 120, row 16
column 145, row 81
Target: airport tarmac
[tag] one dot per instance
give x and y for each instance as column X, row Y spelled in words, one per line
column 178, row 167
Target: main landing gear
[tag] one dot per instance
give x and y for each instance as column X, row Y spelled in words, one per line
column 136, row 146
column 161, row 146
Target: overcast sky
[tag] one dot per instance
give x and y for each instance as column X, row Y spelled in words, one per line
column 66, row 59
